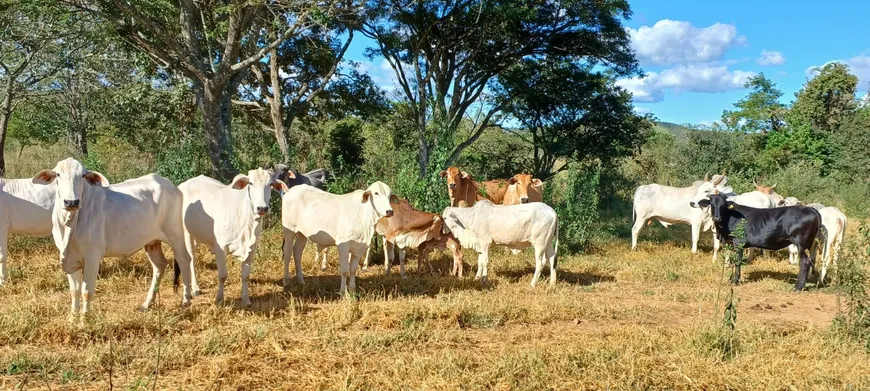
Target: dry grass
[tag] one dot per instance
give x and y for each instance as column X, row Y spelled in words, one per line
column 615, row 320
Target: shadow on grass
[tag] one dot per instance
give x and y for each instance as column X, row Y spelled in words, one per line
column 758, row 275
column 581, row 279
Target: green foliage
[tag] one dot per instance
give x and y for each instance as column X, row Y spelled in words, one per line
column 346, row 145
column 826, row 100
column 852, row 275
column 574, row 196
column 592, row 120
column 760, row 111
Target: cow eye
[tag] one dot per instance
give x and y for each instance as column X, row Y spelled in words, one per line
column 376, row 193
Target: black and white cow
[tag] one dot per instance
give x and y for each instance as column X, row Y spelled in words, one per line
column 768, row 229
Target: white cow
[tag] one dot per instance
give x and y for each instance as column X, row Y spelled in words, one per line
column 755, row 199
column 515, row 226
column 832, row 234
column 25, row 208
column 670, row 205
column 228, row 219
column 343, row 220
column 92, row 220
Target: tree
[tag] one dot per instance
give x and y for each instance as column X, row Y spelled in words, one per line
column 214, row 44
column 37, row 40
column 760, row 111
column 300, row 71
column 570, row 113
column 446, row 53
column 826, row 100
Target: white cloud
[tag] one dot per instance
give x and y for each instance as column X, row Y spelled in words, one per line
column 858, row 66
column 670, row 42
column 381, row 73
column 709, row 78
column 642, row 110
column 771, row 57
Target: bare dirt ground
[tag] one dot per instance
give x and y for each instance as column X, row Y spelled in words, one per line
column 616, row 320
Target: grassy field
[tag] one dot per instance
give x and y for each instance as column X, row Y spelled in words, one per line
column 616, row 320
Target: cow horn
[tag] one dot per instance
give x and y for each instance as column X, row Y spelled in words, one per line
column 754, row 182
column 718, row 181
column 707, row 177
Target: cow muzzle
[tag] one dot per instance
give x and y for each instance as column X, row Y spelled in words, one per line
column 524, row 200
column 389, row 213
column 262, row 210
column 452, row 186
column 71, row 205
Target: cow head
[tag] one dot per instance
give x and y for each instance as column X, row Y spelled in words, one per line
column 718, row 204
column 718, row 184
column 71, row 177
column 457, row 182
column 522, row 183
column 381, row 198
column 258, row 185
column 777, row 199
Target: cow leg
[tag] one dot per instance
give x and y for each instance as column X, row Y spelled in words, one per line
column 158, row 266
column 366, row 261
column 696, row 235
column 298, row 249
column 220, row 257
column 4, row 255
column 423, row 254
column 551, row 256
column 540, row 257
column 792, row 254
column 635, row 230
column 287, row 249
column 458, row 262
column 388, row 258
column 804, row 270
column 716, row 245
column 89, row 280
column 826, row 256
column 183, row 259
column 246, row 276
column 735, row 279
column 73, row 271
column 190, row 247
column 354, row 265
column 322, row 252
column 343, row 266
column 483, row 265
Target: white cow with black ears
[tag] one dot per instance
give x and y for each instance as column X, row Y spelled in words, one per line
column 343, row 220
column 228, row 219
column 92, row 219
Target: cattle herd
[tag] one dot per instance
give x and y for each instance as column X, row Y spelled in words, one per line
column 90, row 219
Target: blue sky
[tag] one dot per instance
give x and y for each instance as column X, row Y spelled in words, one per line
column 698, row 54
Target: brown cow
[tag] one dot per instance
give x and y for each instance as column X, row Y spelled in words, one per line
column 523, row 189
column 422, row 231
column 465, row 191
column 777, row 199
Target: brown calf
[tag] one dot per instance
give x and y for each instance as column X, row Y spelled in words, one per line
column 465, row 191
column 422, row 231
column 523, row 189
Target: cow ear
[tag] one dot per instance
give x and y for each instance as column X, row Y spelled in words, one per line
column 95, row 179
column 394, row 199
column 537, row 182
column 781, row 203
column 365, row 197
column 442, row 173
column 279, row 185
column 704, row 203
column 44, row 177
column 773, row 187
column 290, row 174
column 512, row 181
column 240, row 182
column 436, row 218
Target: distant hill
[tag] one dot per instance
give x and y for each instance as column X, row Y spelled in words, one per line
column 678, row 131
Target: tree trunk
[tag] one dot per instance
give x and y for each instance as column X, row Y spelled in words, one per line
column 275, row 110
column 5, row 113
column 215, row 104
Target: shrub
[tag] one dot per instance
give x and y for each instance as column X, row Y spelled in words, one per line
column 574, row 196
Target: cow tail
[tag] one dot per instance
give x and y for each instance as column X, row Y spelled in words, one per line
column 175, row 274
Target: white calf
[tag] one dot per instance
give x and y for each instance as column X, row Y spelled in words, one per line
column 25, row 208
